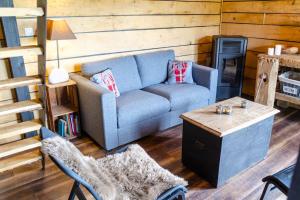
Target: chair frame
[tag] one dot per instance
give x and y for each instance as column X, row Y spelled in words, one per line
column 178, row 192
column 272, row 180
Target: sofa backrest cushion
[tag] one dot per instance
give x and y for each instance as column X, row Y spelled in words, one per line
column 124, row 70
column 153, row 67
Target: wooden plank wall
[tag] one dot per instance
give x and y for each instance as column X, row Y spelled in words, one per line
column 266, row 23
column 107, row 28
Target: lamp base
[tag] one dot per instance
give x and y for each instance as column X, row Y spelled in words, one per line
column 58, row 76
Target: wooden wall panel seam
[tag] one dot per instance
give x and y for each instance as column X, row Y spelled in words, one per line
column 141, row 26
column 130, row 51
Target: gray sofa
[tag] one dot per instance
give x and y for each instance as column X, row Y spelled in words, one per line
column 146, row 104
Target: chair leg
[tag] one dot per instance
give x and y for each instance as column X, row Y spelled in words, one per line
column 179, row 195
column 80, row 194
column 182, row 195
column 43, row 162
column 176, row 195
column 73, row 191
column 265, row 191
column 76, row 191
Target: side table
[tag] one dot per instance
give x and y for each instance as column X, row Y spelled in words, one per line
column 62, row 103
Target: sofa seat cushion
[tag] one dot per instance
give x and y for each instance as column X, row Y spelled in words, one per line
column 137, row 105
column 181, row 95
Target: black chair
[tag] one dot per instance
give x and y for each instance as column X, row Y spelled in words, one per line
column 281, row 180
column 294, row 192
column 174, row 193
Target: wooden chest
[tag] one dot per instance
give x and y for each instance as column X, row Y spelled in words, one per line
column 218, row 147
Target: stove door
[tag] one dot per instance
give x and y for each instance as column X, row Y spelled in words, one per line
column 230, row 70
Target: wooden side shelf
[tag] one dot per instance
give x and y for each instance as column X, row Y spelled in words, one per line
column 63, row 107
column 287, row 98
column 60, row 110
column 63, row 84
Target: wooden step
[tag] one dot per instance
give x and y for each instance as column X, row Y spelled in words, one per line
column 19, row 160
column 19, row 82
column 20, row 128
column 21, row 12
column 18, row 107
column 19, row 146
column 9, row 52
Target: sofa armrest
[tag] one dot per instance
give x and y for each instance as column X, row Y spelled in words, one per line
column 207, row 77
column 98, row 112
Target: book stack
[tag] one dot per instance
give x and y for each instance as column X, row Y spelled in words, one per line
column 68, row 126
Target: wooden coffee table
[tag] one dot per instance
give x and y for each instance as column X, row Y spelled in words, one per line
column 219, row 146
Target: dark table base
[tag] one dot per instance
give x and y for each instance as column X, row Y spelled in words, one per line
column 219, row 158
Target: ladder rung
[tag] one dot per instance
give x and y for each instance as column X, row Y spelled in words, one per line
column 19, row 146
column 20, row 128
column 19, row 82
column 9, row 52
column 19, row 160
column 21, row 106
column 21, row 12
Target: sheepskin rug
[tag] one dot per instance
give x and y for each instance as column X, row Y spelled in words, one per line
column 130, row 175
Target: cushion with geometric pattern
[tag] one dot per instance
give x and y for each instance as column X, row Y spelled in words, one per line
column 180, row 72
column 106, row 79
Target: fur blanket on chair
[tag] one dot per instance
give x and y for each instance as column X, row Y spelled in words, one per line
column 131, row 175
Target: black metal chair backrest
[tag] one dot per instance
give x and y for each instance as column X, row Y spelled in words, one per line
column 294, row 192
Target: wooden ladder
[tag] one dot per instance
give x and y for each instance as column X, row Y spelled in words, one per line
column 26, row 150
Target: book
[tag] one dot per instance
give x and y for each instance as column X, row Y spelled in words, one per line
column 77, row 126
column 71, row 117
column 69, row 130
column 68, row 125
column 65, row 128
column 60, row 127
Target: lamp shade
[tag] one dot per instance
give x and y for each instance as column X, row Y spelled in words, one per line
column 59, row 30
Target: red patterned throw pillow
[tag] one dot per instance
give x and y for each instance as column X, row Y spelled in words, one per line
column 180, row 72
column 106, row 80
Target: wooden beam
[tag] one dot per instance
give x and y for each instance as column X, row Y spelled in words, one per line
column 9, row 52
column 21, row 12
column 21, row 106
column 12, row 39
column 287, row 98
column 266, row 80
column 19, row 146
column 19, row 128
column 19, row 82
column 19, row 160
column 41, row 41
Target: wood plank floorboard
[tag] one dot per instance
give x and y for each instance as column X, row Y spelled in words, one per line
column 31, row 182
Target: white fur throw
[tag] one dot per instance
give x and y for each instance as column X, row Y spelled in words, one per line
column 131, row 175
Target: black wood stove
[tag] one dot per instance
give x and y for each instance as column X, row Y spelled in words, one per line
column 229, row 56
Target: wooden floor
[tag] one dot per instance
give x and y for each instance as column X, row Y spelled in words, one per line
column 33, row 183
